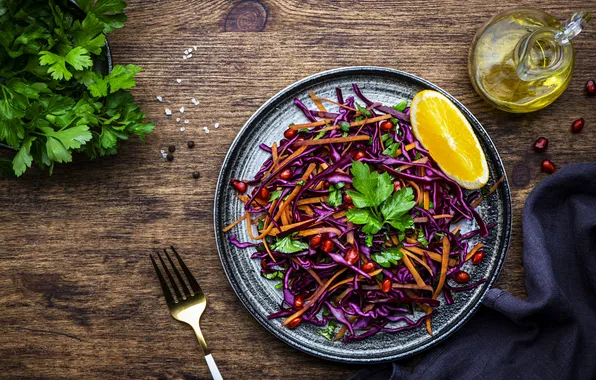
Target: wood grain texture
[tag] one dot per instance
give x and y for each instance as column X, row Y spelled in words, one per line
column 78, row 296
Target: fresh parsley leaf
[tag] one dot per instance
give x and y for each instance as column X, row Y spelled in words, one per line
column 275, row 195
column 300, row 183
column 372, row 224
column 320, row 135
column 387, row 257
column 260, row 224
column 111, row 12
column 401, row 223
column 394, row 121
column 421, row 238
column 368, row 240
column 418, row 155
column 288, row 245
column 345, row 126
column 329, row 331
column 23, row 158
column 334, row 198
column 385, row 136
column 274, row 275
column 303, row 130
column 325, row 310
column 363, row 110
column 89, row 34
column 78, row 58
column 398, row 204
column 401, row 106
column 431, row 205
column 373, row 188
column 391, row 149
column 279, row 285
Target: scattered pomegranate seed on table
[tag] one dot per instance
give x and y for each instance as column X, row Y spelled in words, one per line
column 548, row 166
column 591, row 88
column 170, row 157
column 461, row 277
column 541, row 144
column 577, row 125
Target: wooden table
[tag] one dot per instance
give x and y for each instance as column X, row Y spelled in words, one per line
column 78, row 295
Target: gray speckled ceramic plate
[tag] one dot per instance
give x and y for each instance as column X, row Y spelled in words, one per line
column 259, row 295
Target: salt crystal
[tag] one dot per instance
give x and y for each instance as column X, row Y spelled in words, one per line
column 177, row 120
column 164, row 155
column 184, row 57
column 181, row 109
column 162, row 151
column 185, row 51
column 182, row 129
column 216, row 125
column 159, row 98
column 168, row 111
column 189, row 50
column 194, row 47
column 194, row 101
column 206, row 129
column 179, row 80
column 186, row 122
column 189, row 56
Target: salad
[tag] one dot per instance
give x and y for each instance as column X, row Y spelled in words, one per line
column 357, row 222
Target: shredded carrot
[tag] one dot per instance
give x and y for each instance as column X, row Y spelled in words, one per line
column 420, row 219
column 412, row 286
column 307, row 201
column 243, row 198
column 311, row 272
column 410, row 146
column 318, row 293
column 350, row 234
column 426, row 200
column 284, row 218
column 422, row 160
column 275, row 231
column 490, row 191
column 419, row 260
column 307, row 210
column 394, row 239
column 320, row 230
column 433, row 256
column 427, row 309
column 340, row 214
column 444, row 262
column 332, row 140
column 442, row 216
column 411, row 268
column 338, row 104
column 418, row 192
column 456, row 229
column 230, row 226
column 353, row 124
column 316, row 101
column 268, row 250
column 274, row 154
column 473, row 251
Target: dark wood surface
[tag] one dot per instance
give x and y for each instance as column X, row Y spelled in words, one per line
column 78, row 296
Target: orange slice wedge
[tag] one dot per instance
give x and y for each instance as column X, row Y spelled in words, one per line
column 448, row 136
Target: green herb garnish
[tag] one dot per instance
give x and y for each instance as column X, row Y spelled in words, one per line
column 329, row 331
column 288, row 245
column 387, row 257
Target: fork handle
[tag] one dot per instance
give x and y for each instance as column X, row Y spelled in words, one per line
column 213, row 367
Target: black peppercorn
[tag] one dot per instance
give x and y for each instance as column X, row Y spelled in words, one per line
column 191, row 144
column 172, row 148
column 170, row 157
column 196, row 175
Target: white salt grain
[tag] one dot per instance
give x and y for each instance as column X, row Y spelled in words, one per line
column 159, row 98
column 185, row 52
column 181, row 109
column 189, row 56
column 184, row 57
column 186, row 122
column 179, row 80
column 216, row 125
column 168, row 111
column 182, row 129
column 164, row 155
column 177, row 120
column 206, row 129
column 189, row 50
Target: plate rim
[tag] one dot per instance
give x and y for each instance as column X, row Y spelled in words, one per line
column 478, row 129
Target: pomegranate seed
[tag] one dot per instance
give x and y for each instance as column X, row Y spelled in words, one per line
column 298, row 302
column 264, row 194
column 477, row 258
column 461, row 277
column 396, row 186
column 290, row 134
column 577, row 125
column 359, row 155
column 386, row 285
column 328, row 246
column 548, row 166
column 239, row 186
column 591, row 88
column 326, row 184
column 541, row 144
column 368, row 267
column 315, row 241
column 352, row 256
column 286, row 174
column 347, row 199
column 295, row 323
column 387, row 125
column 264, row 263
column 351, row 207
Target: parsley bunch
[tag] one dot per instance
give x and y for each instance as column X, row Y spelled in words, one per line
column 54, row 101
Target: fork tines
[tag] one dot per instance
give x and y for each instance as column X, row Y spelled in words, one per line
column 180, row 288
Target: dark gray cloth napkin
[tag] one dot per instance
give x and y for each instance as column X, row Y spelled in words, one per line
column 552, row 334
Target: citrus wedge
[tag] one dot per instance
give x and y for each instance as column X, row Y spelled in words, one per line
column 448, row 136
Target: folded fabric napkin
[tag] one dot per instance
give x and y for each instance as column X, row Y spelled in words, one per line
column 552, row 334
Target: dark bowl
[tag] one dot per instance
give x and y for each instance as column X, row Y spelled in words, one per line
column 259, row 295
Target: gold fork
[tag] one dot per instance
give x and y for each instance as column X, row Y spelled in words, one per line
column 188, row 306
